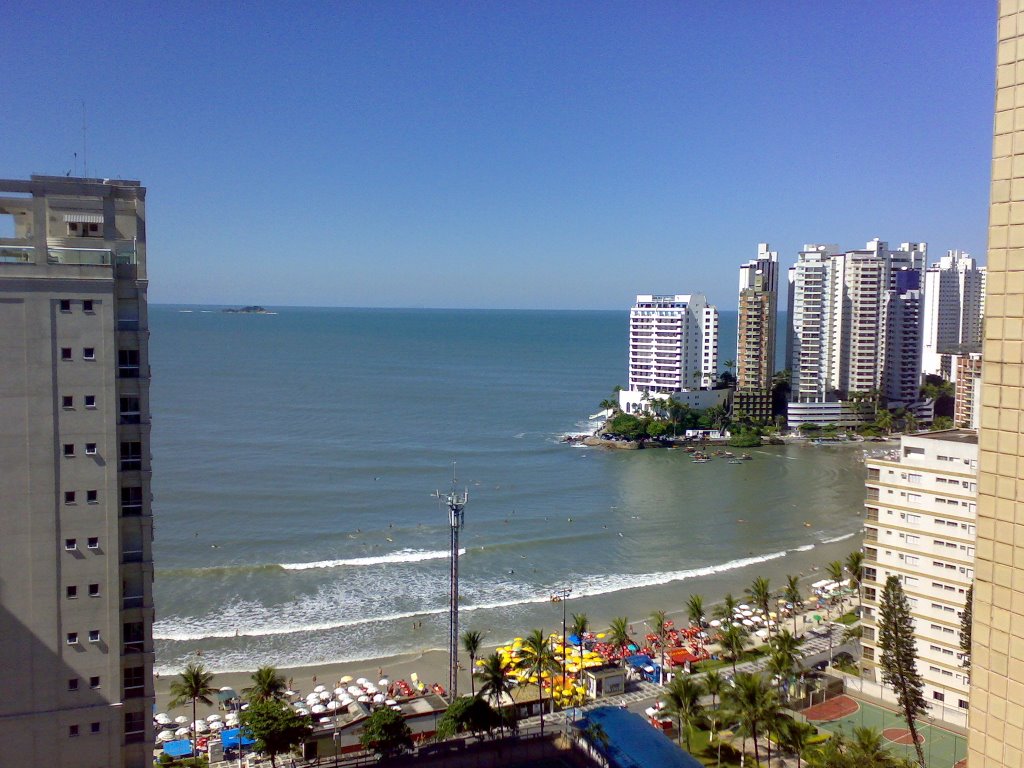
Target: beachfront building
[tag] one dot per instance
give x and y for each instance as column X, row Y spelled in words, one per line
column 75, row 558
column 954, row 305
column 673, row 351
column 967, row 383
column 855, row 322
column 920, row 517
column 755, row 335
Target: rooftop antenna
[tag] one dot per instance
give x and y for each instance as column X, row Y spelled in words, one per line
column 85, row 144
column 456, row 503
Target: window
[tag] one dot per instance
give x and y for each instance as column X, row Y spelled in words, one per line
column 90, row 401
column 130, row 411
column 87, row 305
column 131, row 501
column 94, row 542
column 69, row 497
column 71, row 592
column 938, row 696
column 912, row 559
column 94, row 635
column 65, row 305
column 69, row 449
column 70, row 544
column 90, row 449
column 92, row 497
column 134, row 726
column 963, row 703
column 72, row 731
column 65, row 353
column 94, row 590
column 912, row 539
column 128, row 363
column 913, row 519
column 89, row 353
column 94, row 682
column 72, row 683
column 94, row 727
column 134, row 682
column 67, row 401
column 72, row 638
column 131, row 455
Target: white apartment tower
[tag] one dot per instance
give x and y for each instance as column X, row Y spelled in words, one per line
column 76, row 565
column 920, row 517
column 954, row 305
column 673, row 346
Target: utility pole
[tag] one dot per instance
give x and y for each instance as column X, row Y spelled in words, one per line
column 456, row 503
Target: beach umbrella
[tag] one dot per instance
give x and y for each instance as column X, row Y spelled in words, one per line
column 716, row 623
column 378, row 698
column 340, row 691
column 200, row 726
column 346, row 700
column 320, row 689
column 162, row 717
column 364, row 699
column 182, row 732
column 291, row 693
column 397, row 708
column 181, row 719
column 355, row 690
column 345, row 679
column 216, row 725
column 165, row 736
column 318, row 708
column 383, row 682
column 326, row 696
column 362, row 681
column 333, row 705
column 212, row 718
column 748, row 623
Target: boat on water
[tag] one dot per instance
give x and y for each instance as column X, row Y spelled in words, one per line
column 735, row 461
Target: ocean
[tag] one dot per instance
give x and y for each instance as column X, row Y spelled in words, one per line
column 295, row 456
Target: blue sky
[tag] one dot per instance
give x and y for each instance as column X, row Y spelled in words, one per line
column 533, row 155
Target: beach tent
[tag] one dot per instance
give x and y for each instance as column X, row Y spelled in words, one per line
column 179, row 748
column 230, row 738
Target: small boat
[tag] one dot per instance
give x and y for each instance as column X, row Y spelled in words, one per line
column 702, row 460
column 746, row 457
column 735, row 461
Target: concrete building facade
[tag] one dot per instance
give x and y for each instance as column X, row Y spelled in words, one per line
column 75, row 558
column 755, row 334
column 920, row 525
column 967, row 405
column 954, row 305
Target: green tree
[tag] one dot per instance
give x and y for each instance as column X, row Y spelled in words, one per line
column 267, row 685
column 965, row 627
column 885, row 421
column 942, row 422
column 727, row 607
column 194, row 684
column 855, row 567
column 713, row 684
column 472, row 640
column 495, row 683
column 466, row 713
column 618, row 632
column 835, row 572
column 276, row 728
column 785, row 655
column 683, row 703
column 755, row 705
column 386, row 733
column 761, row 595
column 580, row 627
column 733, row 640
column 795, row 737
column 695, row 609
column 898, row 659
column 791, row 594
column 536, row 660
column 659, row 627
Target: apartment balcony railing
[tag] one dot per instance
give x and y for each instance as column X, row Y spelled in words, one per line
column 128, row 371
column 132, row 556
column 94, row 257
column 131, row 463
column 135, row 737
column 131, row 510
column 134, row 692
column 133, row 601
column 17, row 254
column 133, row 646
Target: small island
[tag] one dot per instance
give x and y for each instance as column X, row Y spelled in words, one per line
column 253, row 310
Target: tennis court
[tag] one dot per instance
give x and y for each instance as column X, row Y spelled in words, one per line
column 942, row 748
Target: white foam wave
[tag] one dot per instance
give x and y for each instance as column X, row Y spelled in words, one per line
column 834, row 539
column 401, row 556
column 804, row 548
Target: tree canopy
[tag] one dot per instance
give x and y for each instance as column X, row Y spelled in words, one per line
column 386, row 733
column 898, row 660
column 276, row 728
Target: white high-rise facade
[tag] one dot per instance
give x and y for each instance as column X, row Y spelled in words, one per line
column 954, row 304
column 673, row 346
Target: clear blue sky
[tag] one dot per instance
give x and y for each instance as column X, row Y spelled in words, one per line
column 485, row 154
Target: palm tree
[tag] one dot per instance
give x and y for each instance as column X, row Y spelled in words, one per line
column 884, row 421
column 855, row 567
column 471, row 642
column 580, row 626
column 267, row 685
column 683, row 695
column 537, row 659
column 753, row 702
column 835, row 572
column 760, row 592
column 785, row 656
column 733, row 640
column 495, row 683
column 660, row 628
column 867, row 747
column 791, row 593
column 713, row 684
column 618, row 632
column 728, row 606
column 795, row 737
column 695, row 609
column 193, row 684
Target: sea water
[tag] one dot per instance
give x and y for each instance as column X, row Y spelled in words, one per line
column 295, row 456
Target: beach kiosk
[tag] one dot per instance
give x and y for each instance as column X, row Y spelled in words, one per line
column 606, row 680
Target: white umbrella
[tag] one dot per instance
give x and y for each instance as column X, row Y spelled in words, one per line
column 181, row 732
column 320, row 689
column 383, row 682
column 333, row 705
column 748, row 623
column 216, row 725
column 397, row 708
column 716, row 623
column 744, row 607
column 748, row 613
column 346, row 700
column 355, row 690
column 318, row 708
column 227, row 688
column 364, row 698
column 165, row 736
column 378, row 698
column 162, row 718
column 326, row 696
column 362, row 681
column 339, row 691
column 201, row 726
column 371, row 689
column 181, row 719
column 313, row 698
column 212, row 718
column 762, row 633
column 291, row 693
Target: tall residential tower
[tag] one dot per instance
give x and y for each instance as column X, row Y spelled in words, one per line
column 75, row 557
column 954, row 304
column 755, row 334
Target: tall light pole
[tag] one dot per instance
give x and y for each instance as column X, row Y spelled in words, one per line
column 456, row 503
column 561, row 595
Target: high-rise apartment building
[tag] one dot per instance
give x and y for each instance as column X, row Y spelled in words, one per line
column 755, row 334
column 967, row 383
column 673, row 348
column 920, row 517
column 997, row 655
column 954, row 304
column 75, row 558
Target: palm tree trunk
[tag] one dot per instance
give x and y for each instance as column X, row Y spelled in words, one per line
column 194, row 750
column 472, row 668
column 540, row 695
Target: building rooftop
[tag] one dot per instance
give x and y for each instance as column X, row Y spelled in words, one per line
column 968, row 436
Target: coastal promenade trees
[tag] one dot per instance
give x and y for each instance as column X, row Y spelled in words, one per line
column 791, row 594
column 471, row 642
column 733, row 640
column 755, row 705
column 386, row 733
column 580, row 626
column 618, row 633
column 761, row 595
column 683, row 703
column 267, row 685
column 898, row 659
column 795, row 737
column 275, row 727
column 855, row 567
column 785, row 656
column 695, row 609
column 495, row 683
column 195, row 684
column 538, row 660
column 659, row 627
column 727, row 607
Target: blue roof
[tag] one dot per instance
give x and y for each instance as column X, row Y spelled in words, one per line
column 229, row 737
column 635, row 743
column 179, row 748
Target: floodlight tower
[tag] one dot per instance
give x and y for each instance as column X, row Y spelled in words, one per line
column 456, row 503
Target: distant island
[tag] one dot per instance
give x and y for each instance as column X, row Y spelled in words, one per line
column 253, row 310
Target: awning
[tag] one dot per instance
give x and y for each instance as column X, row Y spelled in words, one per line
column 180, row 748
column 83, row 218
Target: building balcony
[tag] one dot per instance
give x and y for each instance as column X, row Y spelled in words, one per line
column 92, row 257
column 133, row 601
column 134, row 692
column 17, row 254
column 133, row 556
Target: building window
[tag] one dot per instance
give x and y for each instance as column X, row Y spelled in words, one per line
column 89, row 353
column 94, row 590
column 69, row 449
column 70, row 544
column 131, row 455
column 128, row 363
column 92, row 497
column 130, row 411
column 94, row 635
column 94, row 682
column 69, row 497
column 72, row 731
column 94, row 727
column 65, row 305
column 87, row 305
column 71, row 592
column 938, row 696
column 72, row 683
column 72, row 638
column 90, row 449
column 131, row 501
column 67, row 401
column 94, row 542
column 65, row 353
column 90, row 401
column 134, row 726
column 963, row 704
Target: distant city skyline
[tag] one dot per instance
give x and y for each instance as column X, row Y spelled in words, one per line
column 527, row 156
